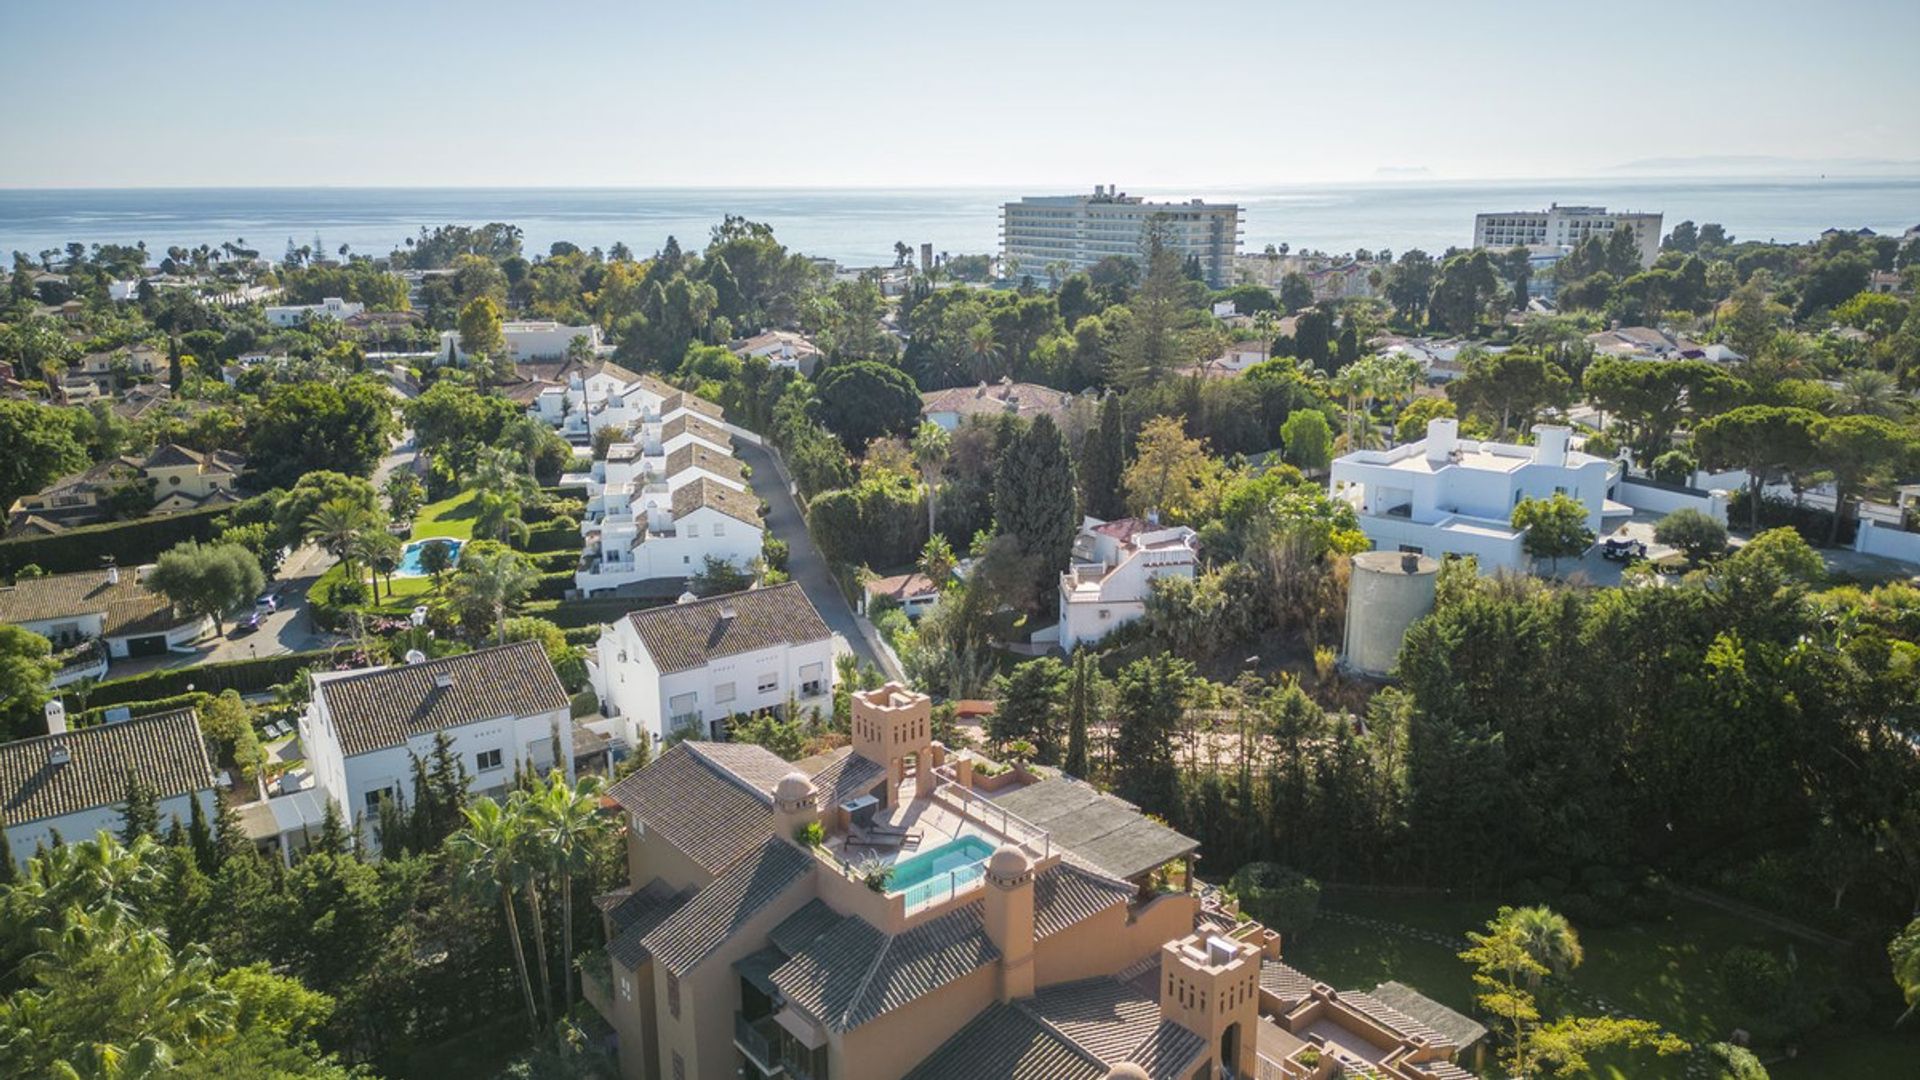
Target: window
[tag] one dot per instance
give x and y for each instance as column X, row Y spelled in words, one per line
column 373, row 798
column 693, row 530
column 673, row 996
column 719, row 529
column 723, row 693
column 486, row 761
column 769, row 682
column 626, row 988
column 812, row 680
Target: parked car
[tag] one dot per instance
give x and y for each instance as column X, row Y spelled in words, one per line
column 267, row 604
column 245, row 626
column 1622, row 549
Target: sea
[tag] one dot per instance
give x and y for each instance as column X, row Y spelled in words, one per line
column 859, row 226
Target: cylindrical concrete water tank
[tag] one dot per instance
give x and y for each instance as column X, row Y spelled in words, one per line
column 1387, row 592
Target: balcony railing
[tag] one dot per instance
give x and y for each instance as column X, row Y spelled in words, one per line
column 757, row 1040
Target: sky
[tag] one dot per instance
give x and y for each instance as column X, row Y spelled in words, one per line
column 196, row 93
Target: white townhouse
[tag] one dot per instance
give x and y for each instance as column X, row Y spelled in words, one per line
column 1445, row 495
column 581, row 400
column 285, row 315
column 1114, row 566
column 684, row 669
column 670, row 534
column 70, row 784
column 502, row 708
column 113, row 607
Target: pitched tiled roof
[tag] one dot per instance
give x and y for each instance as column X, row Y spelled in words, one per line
column 1285, row 983
column 1454, row 1028
column 1097, row 827
column 718, row 911
column 128, row 606
column 701, row 456
column 684, row 636
column 687, row 423
column 1380, row 1012
column 635, row 915
column 1107, row 1017
column 712, row 494
column 387, row 707
column 707, row 814
column 165, row 750
column 693, row 403
column 1168, row 1053
column 853, row 973
column 798, row 930
column 1024, row 399
column 759, row 767
column 846, row 777
column 1064, row 895
column 1007, row 1043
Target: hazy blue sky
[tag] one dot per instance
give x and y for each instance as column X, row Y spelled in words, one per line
column 1036, row 92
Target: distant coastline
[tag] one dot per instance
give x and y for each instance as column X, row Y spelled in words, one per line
column 859, row 226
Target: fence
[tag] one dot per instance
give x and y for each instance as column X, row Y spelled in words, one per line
column 1659, row 498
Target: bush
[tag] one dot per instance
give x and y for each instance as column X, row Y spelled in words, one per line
column 1812, row 523
column 1697, row 535
column 130, row 543
column 1754, row 979
column 560, row 534
column 1674, row 467
column 1284, row 899
column 553, row 586
column 1730, row 1062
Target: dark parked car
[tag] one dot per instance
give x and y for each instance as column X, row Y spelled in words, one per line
column 1622, row 549
column 245, row 626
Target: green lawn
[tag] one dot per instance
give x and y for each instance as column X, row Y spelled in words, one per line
column 449, row 517
column 1662, row 970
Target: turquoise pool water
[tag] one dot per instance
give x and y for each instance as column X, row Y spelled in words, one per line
column 410, row 557
column 933, row 875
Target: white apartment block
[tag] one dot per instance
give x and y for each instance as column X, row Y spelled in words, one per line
column 1565, row 227
column 69, row 784
column 528, row 340
column 502, row 708
column 1114, row 566
column 331, row 308
column 684, row 669
column 1078, row 231
column 1445, row 495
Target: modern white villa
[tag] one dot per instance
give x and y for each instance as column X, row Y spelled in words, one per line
column 527, row 340
column 686, row 668
column 1445, row 495
column 1114, row 566
column 503, row 709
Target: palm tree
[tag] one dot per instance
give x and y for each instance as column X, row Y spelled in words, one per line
column 496, row 577
column 985, row 352
column 487, row 866
column 336, row 526
column 381, row 551
column 1547, row 937
column 500, row 515
column 569, row 825
column 937, row 561
column 930, row 457
column 530, row 855
column 1867, row 392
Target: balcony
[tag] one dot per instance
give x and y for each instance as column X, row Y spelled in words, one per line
column 757, row 1039
column 596, row 983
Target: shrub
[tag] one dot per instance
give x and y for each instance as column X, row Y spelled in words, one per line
column 1754, row 979
column 1674, row 467
column 1730, row 1062
column 130, row 543
column 1697, row 535
column 1284, row 899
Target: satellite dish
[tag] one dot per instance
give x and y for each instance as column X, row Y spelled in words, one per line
column 415, row 656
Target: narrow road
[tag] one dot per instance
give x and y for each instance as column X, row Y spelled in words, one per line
column 804, row 561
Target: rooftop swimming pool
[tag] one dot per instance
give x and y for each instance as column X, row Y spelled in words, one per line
column 937, row 874
column 410, row 556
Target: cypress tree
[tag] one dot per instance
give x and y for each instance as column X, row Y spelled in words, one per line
column 8, row 872
column 1080, row 695
column 200, row 838
column 1104, row 462
column 140, row 816
column 333, row 833
column 1033, row 496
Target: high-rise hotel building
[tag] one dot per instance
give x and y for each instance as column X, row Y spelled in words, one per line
column 1565, row 227
column 1077, row 231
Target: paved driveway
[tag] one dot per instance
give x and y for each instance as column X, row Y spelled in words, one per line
column 804, row 561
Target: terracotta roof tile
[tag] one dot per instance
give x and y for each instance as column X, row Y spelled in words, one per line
column 387, row 707
column 684, row 636
column 741, row 506
column 129, row 607
column 165, row 750
column 718, row 911
column 705, row 811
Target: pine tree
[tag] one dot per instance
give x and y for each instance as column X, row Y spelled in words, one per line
column 200, row 838
column 1033, row 496
column 333, row 833
column 1104, row 461
column 230, row 838
column 393, row 828
column 140, row 816
column 176, row 835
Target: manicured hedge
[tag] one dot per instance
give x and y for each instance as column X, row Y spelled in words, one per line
column 246, row 676
column 97, row 714
column 583, row 635
column 553, row 586
column 551, row 562
column 131, row 543
column 560, row 534
column 574, row 614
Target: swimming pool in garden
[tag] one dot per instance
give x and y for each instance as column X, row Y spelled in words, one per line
column 934, row 875
column 410, row 556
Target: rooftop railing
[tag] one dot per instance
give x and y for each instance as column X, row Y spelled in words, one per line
column 991, row 815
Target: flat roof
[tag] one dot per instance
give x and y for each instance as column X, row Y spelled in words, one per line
column 1099, row 828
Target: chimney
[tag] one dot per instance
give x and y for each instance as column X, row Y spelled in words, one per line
column 1009, row 919
column 1443, row 433
column 727, row 613
column 56, row 717
column 1550, row 444
column 1409, row 562
column 113, row 575
column 796, row 804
